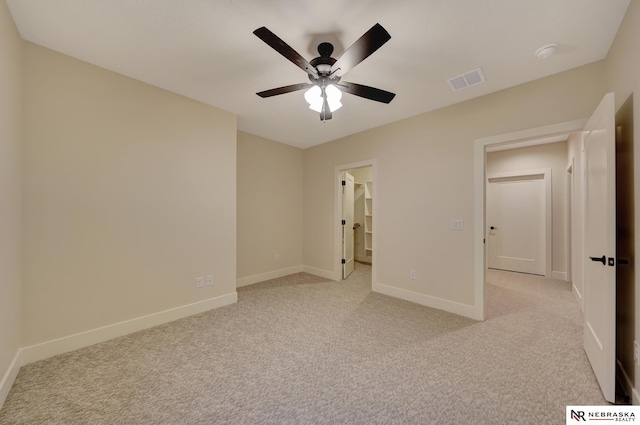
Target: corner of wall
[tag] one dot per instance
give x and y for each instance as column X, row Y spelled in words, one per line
column 465, row 310
column 11, row 142
column 261, row 277
column 10, row 377
column 321, row 272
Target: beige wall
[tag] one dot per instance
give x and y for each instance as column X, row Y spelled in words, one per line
column 10, row 191
column 269, row 207
column 129, row 190
column 129, row 195
column 623, row 77
column 554, row 156
column 425, row 165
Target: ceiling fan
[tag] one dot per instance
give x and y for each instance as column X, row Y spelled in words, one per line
column 325, row 89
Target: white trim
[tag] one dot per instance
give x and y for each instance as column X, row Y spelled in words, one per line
column 577, row 294
column 559, row 275
column 428, row 301
column 65, row 344
column 583, row 212
column 10, row 377
column 326, row 274
column 567, row 220
column 479, row 166
column 337, row 237
column 365, row 259
column 528, row 143
column 479, row 263
column 627, row 385
column 261, row 277
column 517, row 137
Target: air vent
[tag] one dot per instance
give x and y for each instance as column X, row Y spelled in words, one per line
column 468, row 79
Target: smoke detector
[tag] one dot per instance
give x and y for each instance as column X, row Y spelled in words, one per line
column 546, row 51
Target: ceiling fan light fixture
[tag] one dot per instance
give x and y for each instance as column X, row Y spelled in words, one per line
column 333, row 97
column 323, row 68
column 315, row 98
column 322, row 96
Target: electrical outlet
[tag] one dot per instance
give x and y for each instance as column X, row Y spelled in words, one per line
column 636, row 352
column 199, row 282
column 412, row 274
column 276, row 258
column 457, row 224
column 209, row 279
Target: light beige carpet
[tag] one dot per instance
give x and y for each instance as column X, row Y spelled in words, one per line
column 302, row 350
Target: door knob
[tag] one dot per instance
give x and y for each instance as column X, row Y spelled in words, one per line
column 602, row 260
column 493, row 228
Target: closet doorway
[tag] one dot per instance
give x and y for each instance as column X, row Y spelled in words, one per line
column 355, row 232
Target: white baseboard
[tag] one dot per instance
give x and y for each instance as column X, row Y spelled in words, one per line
column 52, row 348
column 361, row 259
column 577, row 294
column 559, row 275
column 261, row 277
column 466, row 310
column 10, row 376
column 627, row 385
column 322, row 273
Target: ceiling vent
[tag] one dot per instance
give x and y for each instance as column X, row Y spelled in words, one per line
column 468, row 79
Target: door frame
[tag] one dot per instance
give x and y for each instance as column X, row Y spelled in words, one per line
column 522, row 138
column 337, row 229
column 345, row 176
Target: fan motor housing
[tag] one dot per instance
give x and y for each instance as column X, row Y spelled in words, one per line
column 323, row 64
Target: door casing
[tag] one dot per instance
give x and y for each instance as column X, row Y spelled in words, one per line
column 337, row 230
column 348, row 242
column 515, row 139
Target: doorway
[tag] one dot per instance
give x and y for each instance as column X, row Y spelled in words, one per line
column 599, row 292
column 355, row 236
column 540, row 135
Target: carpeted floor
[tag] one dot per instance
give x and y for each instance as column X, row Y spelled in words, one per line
column 303, row 350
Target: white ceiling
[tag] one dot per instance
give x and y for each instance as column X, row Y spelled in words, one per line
column 206, row 50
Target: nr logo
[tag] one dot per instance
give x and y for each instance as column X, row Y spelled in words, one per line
column 577, row 415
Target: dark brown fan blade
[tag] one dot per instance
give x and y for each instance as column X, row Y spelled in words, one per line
column 371, row 41
column 367, row 92
column 285, row 89
column 285, row 50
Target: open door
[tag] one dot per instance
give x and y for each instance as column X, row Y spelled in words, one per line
column 347, row 224
column 600, row 245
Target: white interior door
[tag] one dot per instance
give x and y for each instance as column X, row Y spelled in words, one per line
column 517, row 220
column 348, row 188
column 600, row 245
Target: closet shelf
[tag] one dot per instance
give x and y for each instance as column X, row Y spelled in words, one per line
column 368, row 214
